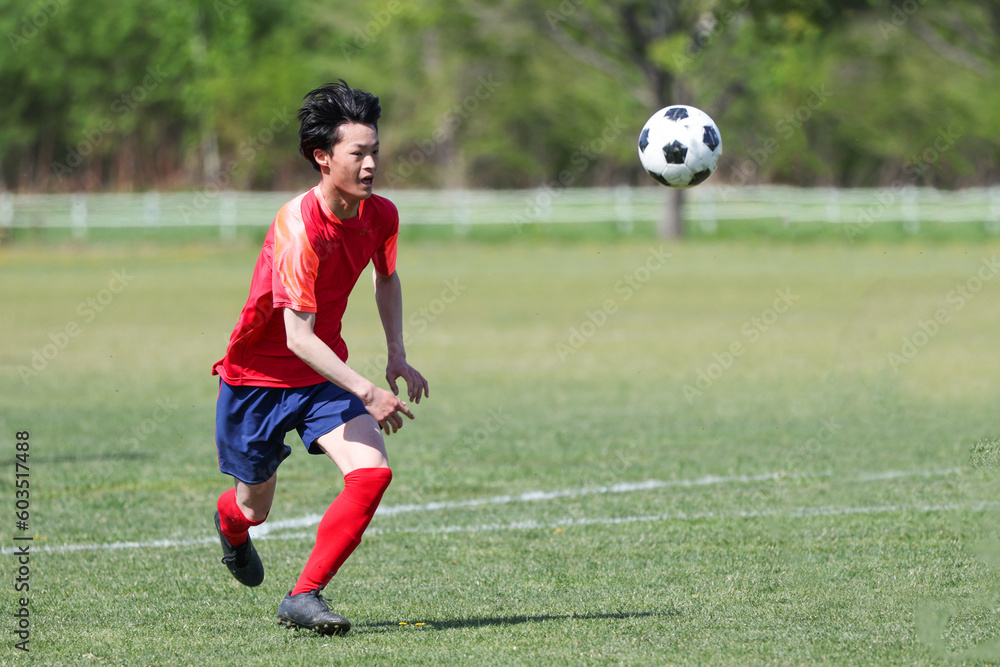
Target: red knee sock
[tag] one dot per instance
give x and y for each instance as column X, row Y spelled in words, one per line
column 342, row 525
column 234, row 523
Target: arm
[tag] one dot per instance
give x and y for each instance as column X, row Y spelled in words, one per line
column 389, row 299
column 307, row 346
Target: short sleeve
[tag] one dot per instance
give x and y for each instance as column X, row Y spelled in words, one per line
column 296, row 265
column 384, row 259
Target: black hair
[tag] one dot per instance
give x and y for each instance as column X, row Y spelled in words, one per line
column 328, row 107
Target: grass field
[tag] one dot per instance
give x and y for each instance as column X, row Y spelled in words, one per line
column 706, row 453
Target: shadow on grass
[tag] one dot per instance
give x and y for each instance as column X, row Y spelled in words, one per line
column 462, row 623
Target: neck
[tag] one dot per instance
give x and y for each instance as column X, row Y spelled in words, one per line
column 341, row 206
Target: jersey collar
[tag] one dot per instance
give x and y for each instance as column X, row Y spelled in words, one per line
column 329, row 214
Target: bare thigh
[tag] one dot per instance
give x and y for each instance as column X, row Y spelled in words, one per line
column 356, row 444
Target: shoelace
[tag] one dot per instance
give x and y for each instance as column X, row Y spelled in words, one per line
column 321, row 599
column 240, row 556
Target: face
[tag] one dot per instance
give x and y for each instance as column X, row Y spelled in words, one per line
column 351, row 166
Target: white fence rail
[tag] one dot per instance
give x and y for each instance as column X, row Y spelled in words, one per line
column 705, row 206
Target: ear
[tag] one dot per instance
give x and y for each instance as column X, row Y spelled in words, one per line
column 322, row 157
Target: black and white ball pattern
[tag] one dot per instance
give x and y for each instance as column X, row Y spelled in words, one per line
column 680, row 146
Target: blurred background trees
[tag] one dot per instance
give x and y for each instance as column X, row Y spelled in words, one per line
column 153, row 94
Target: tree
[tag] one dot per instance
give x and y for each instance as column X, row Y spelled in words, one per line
column 501, row 93
column 651, row 48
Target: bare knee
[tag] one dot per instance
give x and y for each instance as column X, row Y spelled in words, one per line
column 255, row 514
column 255, row 500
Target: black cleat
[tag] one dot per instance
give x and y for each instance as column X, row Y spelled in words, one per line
column 242, row 561
column 310, row 611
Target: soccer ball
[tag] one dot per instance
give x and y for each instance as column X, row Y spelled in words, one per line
column 680, row 146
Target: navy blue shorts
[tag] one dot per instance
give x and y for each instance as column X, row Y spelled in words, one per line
column 251, row 423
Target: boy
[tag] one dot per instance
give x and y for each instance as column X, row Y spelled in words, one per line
column 285, row 365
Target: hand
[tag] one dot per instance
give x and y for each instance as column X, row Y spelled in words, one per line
column 416, row 385
column 386, row 409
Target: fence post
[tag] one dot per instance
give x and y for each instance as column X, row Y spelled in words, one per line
column 709, row 220
column 6, row 212
column 543, row 200
column 227, row 215
column 992, row 223
column 151, row 208
column 461, row 211
column 78, row 215
column 911, row 210
column 833, row 206
column 623, row 210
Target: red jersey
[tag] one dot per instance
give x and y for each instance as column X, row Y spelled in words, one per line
column 310, row 262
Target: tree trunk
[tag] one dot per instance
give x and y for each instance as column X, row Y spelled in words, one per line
column 211, row 161
column 671, row 224
column 670, row 90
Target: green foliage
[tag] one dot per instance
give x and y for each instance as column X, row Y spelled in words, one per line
column 498, row 93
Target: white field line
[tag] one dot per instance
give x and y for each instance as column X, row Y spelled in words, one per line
column 794, row 513
column 800, row 512
column 649, row 485
column 534, row 496
column 899, row 474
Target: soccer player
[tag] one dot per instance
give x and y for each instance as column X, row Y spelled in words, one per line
column 285, row 367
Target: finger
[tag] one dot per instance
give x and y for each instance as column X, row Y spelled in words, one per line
column 417, row 387
column 408, row 377
column 392, row 384
column 405, row 410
